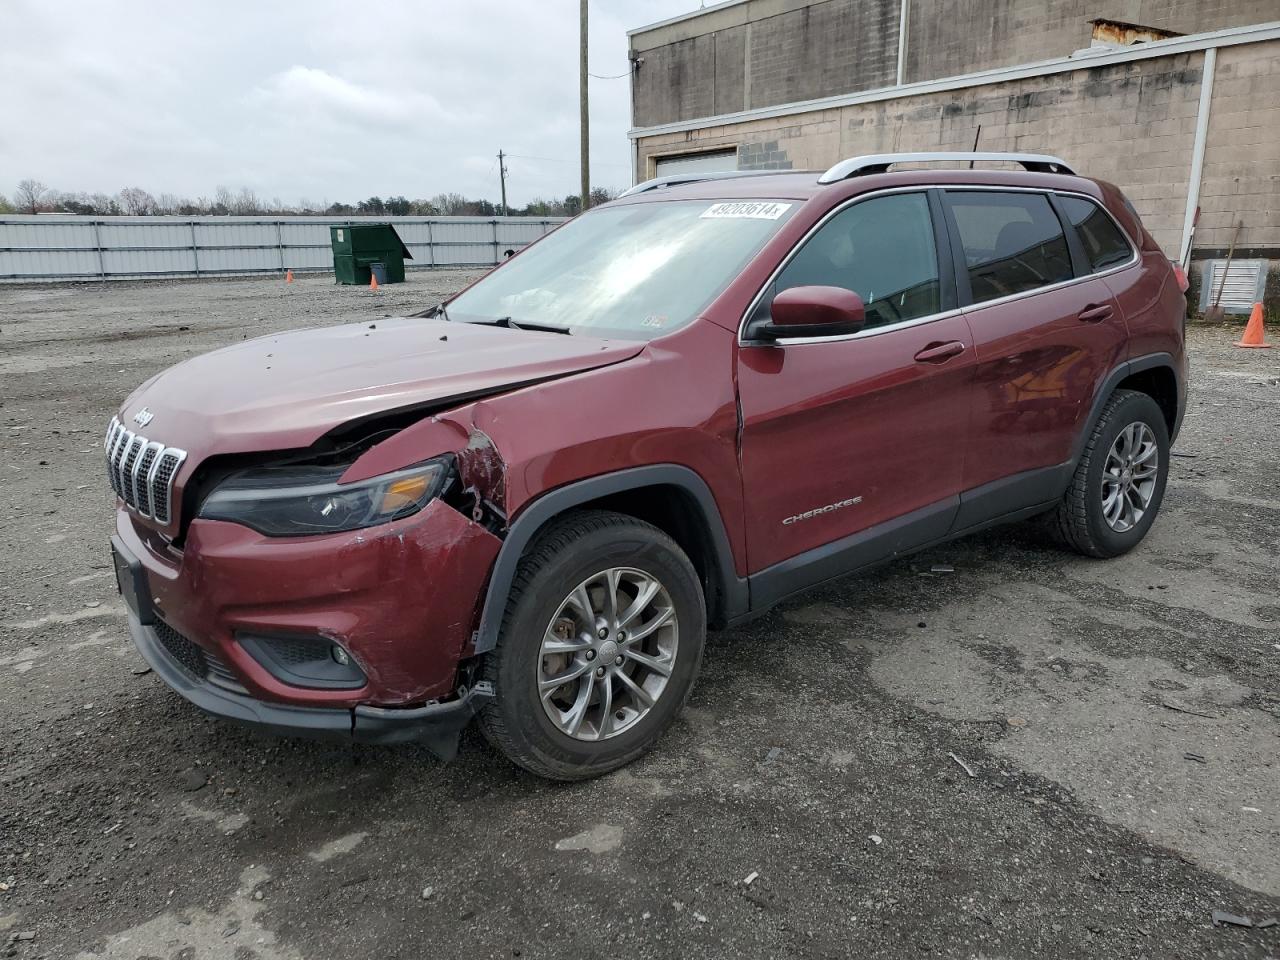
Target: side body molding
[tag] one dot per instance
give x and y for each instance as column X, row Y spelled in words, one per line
column 1008, row 499
column 526, row 526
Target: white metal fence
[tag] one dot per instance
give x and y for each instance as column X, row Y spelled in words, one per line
column 56, row 247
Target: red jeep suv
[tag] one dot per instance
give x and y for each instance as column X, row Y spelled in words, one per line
column 528, row 504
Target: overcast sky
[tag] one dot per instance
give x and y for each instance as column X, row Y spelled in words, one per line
column 313, row 99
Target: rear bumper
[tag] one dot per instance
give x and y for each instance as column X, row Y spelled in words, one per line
column 437, row 725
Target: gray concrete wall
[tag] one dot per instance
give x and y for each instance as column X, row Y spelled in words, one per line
column 1133, row 124
column 1241, row 180
column 946, row 38
column 768, row 52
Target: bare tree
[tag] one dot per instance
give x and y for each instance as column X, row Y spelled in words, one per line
column 246, row 203
column 223, row 201
column 450, row 204
column 34, row 197
column 601, row 195
column 30, row 196
column 105, row 206
column 136, row 202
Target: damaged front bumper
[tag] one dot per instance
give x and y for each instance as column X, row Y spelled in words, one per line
column 357, row 635
column 435, row 725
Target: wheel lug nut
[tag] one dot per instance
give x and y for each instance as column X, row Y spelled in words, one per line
column 602, row 633
column 618, row 662
column 622, row 636
column 591, row 654
column 600, row 671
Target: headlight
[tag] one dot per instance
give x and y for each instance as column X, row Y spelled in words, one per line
column 298, row 501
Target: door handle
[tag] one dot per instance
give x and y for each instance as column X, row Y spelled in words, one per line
column 1096, row 313
column 940, row 352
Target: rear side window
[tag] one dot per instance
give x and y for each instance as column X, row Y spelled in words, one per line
column 1013, row 242
column 1104, row 244
column 882, row 249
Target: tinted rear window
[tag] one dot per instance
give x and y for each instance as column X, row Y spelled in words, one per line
column 1013, row 242
column 1104, row 244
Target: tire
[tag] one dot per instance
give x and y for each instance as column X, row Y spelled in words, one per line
column 578, row 553
column 1083, row 520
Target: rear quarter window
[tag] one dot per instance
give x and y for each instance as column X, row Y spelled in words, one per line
column 1104, row 244
column 1013, row 242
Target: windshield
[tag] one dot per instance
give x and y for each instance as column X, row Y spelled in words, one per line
column 636, row 271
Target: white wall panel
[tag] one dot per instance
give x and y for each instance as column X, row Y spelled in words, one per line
column 53, row 247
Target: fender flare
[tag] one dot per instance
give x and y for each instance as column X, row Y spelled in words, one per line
column 1108, row 386
column 555, row 502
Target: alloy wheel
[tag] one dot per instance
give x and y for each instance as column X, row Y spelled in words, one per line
column 607, row 654
column 1129, row 477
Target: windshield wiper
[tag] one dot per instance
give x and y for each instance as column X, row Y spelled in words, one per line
column 527, row 325
column 430, row 313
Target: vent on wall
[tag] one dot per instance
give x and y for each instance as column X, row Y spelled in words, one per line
column 1242, row 288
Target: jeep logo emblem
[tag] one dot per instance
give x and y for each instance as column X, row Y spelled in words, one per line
column 143, row 417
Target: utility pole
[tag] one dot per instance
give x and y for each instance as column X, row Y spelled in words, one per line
column 502, row 175
column 582, row 92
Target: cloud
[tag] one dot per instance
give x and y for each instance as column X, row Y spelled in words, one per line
column 292, row 98
column 322, row 95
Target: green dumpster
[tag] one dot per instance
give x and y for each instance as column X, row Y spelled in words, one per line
column 356, row 247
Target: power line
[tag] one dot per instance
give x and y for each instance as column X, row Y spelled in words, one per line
column 525, row 156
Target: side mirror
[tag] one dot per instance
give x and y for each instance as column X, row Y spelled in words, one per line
column 812, row 312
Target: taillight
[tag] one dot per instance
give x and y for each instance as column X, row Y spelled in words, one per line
column 1181, row 275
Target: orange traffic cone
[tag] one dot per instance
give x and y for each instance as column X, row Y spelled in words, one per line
column 1255, row 334
column 373, row 281
column 288, row 276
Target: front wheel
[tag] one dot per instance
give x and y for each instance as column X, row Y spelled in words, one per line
column 600, row 644
column 1119, row 483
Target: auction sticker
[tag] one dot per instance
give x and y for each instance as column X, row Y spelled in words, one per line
column 746, row 209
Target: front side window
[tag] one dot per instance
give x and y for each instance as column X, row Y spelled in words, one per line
column 882, row 249
column 635, row 271
column 1013, row 242
column 1104, row 244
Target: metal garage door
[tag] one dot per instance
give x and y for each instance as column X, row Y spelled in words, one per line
column 715, row 162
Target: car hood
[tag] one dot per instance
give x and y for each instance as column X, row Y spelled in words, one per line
column 287, row 390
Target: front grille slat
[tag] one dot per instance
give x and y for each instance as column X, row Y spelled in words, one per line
column 141, row 471
column 221, row 675
column 196, row 661
column 128, row 469
column 185, row 654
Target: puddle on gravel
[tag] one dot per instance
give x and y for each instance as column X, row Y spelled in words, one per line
column 336, row 848
column 601, row 838
column 232, row 933
column 1174, row 756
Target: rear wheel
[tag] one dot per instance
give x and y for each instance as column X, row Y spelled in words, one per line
column 1119, row 483
column 599, row 647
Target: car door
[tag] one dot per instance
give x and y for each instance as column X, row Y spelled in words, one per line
column 852, row 445
column 1045, row 333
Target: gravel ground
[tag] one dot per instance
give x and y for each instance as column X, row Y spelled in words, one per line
column 1035, row 755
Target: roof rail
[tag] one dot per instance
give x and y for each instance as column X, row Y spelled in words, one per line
column 880, row 162
column 674, row 179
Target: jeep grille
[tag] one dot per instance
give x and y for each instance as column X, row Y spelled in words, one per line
column 141, row 471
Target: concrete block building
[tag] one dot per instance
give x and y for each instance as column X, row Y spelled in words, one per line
column 1176, row 101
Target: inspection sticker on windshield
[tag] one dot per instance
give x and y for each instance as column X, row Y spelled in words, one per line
column 745, row 209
